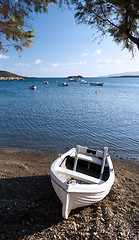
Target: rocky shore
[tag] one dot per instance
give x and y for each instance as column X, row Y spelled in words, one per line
column 11, row 78
column 30, row 209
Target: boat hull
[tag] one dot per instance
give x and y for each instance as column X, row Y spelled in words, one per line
column 73, row 200
column 96, row 84
column 33, row 87
column 74, row 196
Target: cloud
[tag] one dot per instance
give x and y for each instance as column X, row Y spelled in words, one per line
column 3, row 56
column 74, row 63
column 67, row 64
column 113, row 61
column 84, row 54
column 97, row 52
column 38, row 61
column 22, row 64
column 55, row 64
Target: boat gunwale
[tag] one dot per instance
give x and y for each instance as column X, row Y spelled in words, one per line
column 84, row 188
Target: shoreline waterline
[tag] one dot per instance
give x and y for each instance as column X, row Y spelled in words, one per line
column 113, row 155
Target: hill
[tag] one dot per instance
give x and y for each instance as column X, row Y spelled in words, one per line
column 8, row 74
column 125, row 75
column 4, row 75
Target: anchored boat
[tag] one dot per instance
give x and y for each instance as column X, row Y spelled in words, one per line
column 63, row 84
column 46, row 82
column 33, row 87
column 82, row 81
column 96, row 84
column 73, row 79
column 81, row 177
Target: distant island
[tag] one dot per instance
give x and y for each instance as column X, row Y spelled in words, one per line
column 78, row 76
column 4, row 75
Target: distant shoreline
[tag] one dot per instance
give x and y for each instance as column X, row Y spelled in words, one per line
column 124, row 76
column 24, row 78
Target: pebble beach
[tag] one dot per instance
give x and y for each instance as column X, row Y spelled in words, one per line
column 30, row 209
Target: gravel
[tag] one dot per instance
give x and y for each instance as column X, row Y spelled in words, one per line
column 30, row 209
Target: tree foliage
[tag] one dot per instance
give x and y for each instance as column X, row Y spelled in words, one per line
column 119, row 19
column 14, row 22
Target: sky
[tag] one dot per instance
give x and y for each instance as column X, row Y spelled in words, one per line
column 62, row 48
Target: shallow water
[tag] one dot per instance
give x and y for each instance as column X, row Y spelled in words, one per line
column 54, row 118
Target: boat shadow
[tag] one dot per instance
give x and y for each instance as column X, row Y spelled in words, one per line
column 27, row 206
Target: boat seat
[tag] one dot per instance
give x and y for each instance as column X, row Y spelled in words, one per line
column 79, row 176
column 88, row 158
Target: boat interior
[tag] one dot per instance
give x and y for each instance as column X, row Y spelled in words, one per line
column 88, row 168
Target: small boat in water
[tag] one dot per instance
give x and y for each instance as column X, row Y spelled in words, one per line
column 82, row 81
column 96, row 84
column 46, row 82
column 63, row 84
column 33, row 87
column 81, row 177
column 73, row 79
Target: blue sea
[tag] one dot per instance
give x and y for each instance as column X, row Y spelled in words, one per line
column 53, row 118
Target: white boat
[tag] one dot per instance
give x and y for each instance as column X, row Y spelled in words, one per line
column 63, row 84
column 82, row 81
column 73, row 79
column 33, row 87
column 81, row 177
column 46, row 82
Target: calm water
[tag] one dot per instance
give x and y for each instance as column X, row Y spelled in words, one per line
column 54, row 118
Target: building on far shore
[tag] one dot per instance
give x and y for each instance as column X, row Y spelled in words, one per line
column 11, row 78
